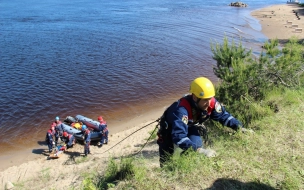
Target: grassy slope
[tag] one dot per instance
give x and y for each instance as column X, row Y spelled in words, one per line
column 272, row 158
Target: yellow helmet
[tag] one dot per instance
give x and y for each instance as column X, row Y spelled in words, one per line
column 202, row 88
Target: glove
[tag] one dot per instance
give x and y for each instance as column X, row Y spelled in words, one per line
column 202, row 130
column 207, row 152
column 84, row 142
column 244, row 130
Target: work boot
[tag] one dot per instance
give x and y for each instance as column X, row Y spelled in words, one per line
column 98, row 144
column 106, row 142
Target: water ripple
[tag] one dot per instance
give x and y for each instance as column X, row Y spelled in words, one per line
column 68, row 58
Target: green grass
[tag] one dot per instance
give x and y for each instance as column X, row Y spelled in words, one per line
column 19, row 185
column 267, row 96
column 45, row 174
column 81, row 159
column 152, row 135
column 271, row 158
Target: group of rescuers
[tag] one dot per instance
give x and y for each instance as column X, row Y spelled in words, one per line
column 181, row 122
column 56, row 132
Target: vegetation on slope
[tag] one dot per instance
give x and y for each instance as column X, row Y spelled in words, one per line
column 265, row 93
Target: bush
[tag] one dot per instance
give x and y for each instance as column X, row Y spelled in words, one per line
column 244, row 81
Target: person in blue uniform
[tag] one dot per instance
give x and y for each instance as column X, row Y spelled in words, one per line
column 58, row 128
column 178, row 125
column 103, row 128
column 49, row 138
column 68, row 139
column 87, row 139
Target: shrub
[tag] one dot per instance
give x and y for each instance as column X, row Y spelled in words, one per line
column 244, row 81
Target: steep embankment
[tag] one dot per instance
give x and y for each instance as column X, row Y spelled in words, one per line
column 270, row 158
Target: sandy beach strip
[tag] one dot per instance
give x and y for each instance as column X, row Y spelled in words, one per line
column 16, row 158
column 281, row 21
column 64, row 171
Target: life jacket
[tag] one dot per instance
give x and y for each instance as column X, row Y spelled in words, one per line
column 69, row 138
column 87, row 131
column 47, row 134
column 194, row 114
column 58, row 128
column 55, row 123
column 103, row 122
column 106, row 128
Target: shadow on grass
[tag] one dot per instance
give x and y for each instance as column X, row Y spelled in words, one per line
column 232, row 184
column 142, row 152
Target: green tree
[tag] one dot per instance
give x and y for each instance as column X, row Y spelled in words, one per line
column 224, row 55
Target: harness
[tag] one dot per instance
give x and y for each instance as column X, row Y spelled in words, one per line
column 49, row 132
column 58, row 128
column 194, row 116
column 105, row 129
column 69, row 136
column 87, row 132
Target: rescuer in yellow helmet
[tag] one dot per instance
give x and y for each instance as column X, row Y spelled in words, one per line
column 181, row 126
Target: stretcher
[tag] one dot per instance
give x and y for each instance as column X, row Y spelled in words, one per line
column 55, row 155
column 59, row 150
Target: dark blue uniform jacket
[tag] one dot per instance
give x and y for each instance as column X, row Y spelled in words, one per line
column 184, row 113
column 69, row 140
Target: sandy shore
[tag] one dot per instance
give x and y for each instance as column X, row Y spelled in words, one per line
column 29, row 152
column 36, row 171
column 281, row 21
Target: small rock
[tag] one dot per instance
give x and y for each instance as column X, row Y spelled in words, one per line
column 9, row 185
column 238, row 4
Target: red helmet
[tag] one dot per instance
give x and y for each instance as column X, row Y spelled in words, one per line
column 65, row 134
column 100, row 118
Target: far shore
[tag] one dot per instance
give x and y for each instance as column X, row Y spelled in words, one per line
column 281, row 21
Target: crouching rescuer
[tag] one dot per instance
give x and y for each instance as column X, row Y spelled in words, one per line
column 178, row 125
